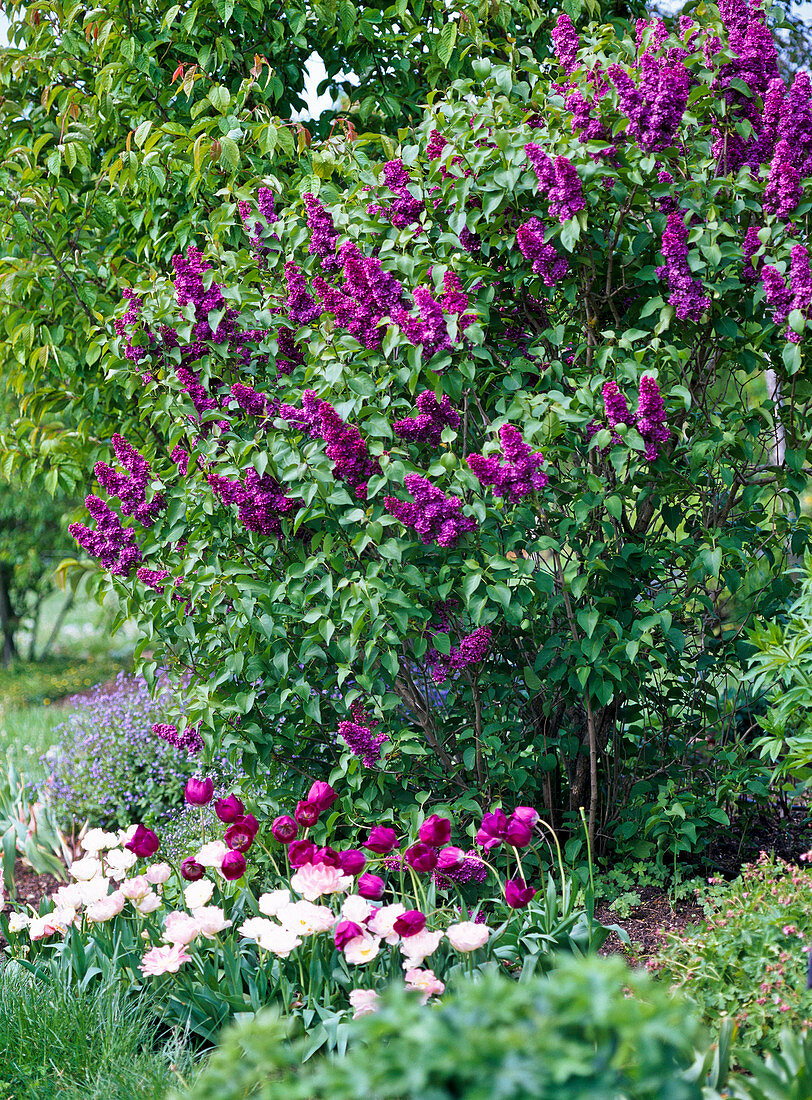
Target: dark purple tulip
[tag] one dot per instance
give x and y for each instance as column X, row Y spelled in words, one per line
column 322, row 794
column 229, row 809
column 518, row 833
column 421, row 857
column 410, row 923
column 284, row 829
column 517, row 893
column 346, row 930
column 250, row 822
column 199, row 792
column 233, row 866
column 191, row 870
column 492, row 831
column 381, row 839
column 449, row 859
column 239, row 837
column 307, row 813
column 527, row 814
column 370, row 887
column 351, row 861
column 328, row 856
column 144, row 842
column 435, row 831
column 300, row 852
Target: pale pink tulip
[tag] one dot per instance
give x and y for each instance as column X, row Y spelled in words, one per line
column 364, row 1001
column 425, row 982
column 180, row 928
column 467, row 935
column 164, row 960
column 314, row 879
column 361, row 949
column 106, row 908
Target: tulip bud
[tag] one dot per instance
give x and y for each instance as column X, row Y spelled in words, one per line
column 346, row 930
column 370, row 887
column 351, row 861
column 518, row 893
column 191, row 870
column 449, row 859
column 435, row 831
column 199, row 792
column 229, row 809
column 306, row 814
column 144, row 843
column 381, row 839
column 421, row 857
column 233, row 866
column 300, row 852
column 410, row 923
column 322, row 794
column 284, row 829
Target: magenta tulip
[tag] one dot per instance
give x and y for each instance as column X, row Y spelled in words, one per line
column 492, row 831
column 250, row 822
column 191, row 870
column 527, row 814
column 435, row 831
column 229, row 809
column 284, row 829
column 239, row 837
column 518, row 893
column 199, row 792
column 322, row 794
column 144, row 842
column 307, row 813
column 351, row 861
column 381, row 839
column 518, row 833
column 449, row 859
column 410, row 923
column 233, row 866
column 346, row 930
column 328, row 856
column 370, row 887
column 421, row 857
column 300, row 852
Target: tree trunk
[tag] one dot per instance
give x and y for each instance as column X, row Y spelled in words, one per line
column 66, row 606
column 8, row 651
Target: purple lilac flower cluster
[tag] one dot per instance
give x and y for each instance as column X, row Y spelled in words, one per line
column 565, row 42
column 115, row 546
column 650, row 418
column 152, row 578
column 435, row 516
column 427, row 426
column 799, row 294
column 260, row 499
column 404, row 209
column 127, row 321
column 130, row 488
column 300, row 306
column 107, row 766
column 252, row 401
column 654, row 107
column 367, row 295
column 589, row 127
column 685, row 291
column 559, row 181
column 516, row 472
column 346, row 448
column 472, row 869
column 323, row 233
column 750, row 246
column 360, row 736
column 188, row 741
column 776, row 293
column 473, row 649
column 545, row 260
column 783, row 191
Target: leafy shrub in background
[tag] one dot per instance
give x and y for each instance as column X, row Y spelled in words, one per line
column 575, row 1035
column 501, row 413
column 749, row 959
column 108, row 767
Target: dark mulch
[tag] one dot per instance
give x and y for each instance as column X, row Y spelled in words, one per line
column 31, row 887
column 647, row 924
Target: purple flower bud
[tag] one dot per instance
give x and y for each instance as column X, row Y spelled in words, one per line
column 381, row 839
column 233, row 866
column 435, row 831
column 421, row 857
column 300, row 852
column 284, row 829
column 449, row 859
column 229, row 809
column 346, row 930
column 191, row 870
column 410, row 923
column 527, row 814
column 327, row 856
column 322, row 794
column 250, row 822
column 144, row 842
column 351, row 861
column 370, row 886
column 199, row 792
column 517, row 893
column 492, row 831
column 307, row 813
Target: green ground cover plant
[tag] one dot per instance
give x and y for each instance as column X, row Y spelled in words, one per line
column 68, row 1044
column 748, row 960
